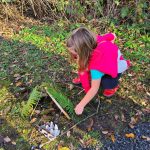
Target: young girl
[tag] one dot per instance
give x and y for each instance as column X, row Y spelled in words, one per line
column 100, row 63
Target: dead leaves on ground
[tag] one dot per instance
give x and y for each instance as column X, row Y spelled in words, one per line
column 146, row 138
column 18, row 78
column 113, row 138
column 7, row 139
column 90, row 124
column 135, row 118
column 105, row 132
column 87, row 142
column 18, row 84
column 121, row 117
column 62, row 148
column 133, row 122
column 130, row 135
column 33, row 120
column 110, row 134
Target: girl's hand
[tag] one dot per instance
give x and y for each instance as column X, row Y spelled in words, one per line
column 79, row 109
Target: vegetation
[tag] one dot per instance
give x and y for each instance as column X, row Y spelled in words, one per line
column 33, row 52
column 62, row 100
column 34, row 98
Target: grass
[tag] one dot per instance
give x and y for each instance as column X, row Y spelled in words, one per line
column 37, row 54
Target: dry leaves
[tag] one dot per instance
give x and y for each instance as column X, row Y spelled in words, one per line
column 19, row 84
column 70, row 86
column 37, row 112
column 68, row 134
column 14, row 143
column 130, row 135
column 7, row 139
column 90, row 124
column 88, row 142
column 146, row 138
column 16, row 75
column 130, row 75
column 33, row 120
column 116, row 117
column 123, row 118
column 105, row 132
column 113, row 138
column 135, row 119
column 148, row 93
column 63, row 148
column 109, row 101
column 133, row 122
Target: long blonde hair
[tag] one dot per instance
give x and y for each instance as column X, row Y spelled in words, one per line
column 83, row 42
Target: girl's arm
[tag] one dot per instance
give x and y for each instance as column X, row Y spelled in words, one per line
column 110, row 37
column 95, row 84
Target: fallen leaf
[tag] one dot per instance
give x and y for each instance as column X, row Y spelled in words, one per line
column 105, row 132
column 130, row 135
column 123, row 118
column 18, row 84
column 71, row 146
column 109, row 101
column 130, row 75
column 37, row 112
column 148, row 93
column 17, row 78
column 33, row 120
column 71, row 86
column 90, row 124
column 113, row 138
column 27, row 74
column 14, row 143
column 68, row 133
column 81, row 141
column 30, row 81
column 16, row 75
column 143, row 103
column 116, row 117
column 45, row 57
column 88, row 142
column 131, row 125
column 146, row 138
column 133, row 122
column 22, row 89
column 7, row 139
column 63, row 148
column 138, row 113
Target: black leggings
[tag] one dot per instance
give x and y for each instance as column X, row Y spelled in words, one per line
column 107, row 82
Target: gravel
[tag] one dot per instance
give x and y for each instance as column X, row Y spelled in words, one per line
column 124, row 143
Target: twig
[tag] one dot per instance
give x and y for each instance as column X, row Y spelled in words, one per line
column 69, row 83
column 58, row 105
column 41, row 145
column 34, row 108
column 80, row 92
column 33, row 129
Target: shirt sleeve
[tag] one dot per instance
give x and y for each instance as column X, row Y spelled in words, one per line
column 109, row 36
column 95, row 74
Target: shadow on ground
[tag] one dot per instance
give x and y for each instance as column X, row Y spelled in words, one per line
column 17, row 141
